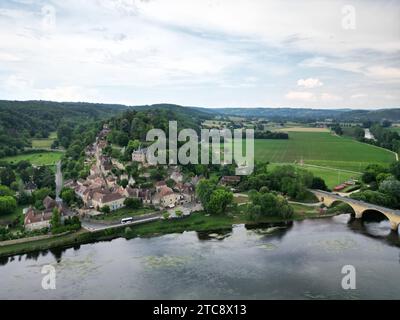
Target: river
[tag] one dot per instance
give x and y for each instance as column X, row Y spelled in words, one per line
column 301, row 260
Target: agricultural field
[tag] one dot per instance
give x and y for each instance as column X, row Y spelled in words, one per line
column 302, row 129
column 321, row 149
column 44, row 143
column 39, row 158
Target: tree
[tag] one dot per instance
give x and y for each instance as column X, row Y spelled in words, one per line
column 106, row 209
column 318, row 183
column 55, row 219
column 395, row 169
column 6, row 191
column 204, row 190
column 219, row 200
column 40, row 194
column 124, row 183
column 391, row 187
column 132, row 203
column 68, row 195
column 8, row 205
column 7, row 176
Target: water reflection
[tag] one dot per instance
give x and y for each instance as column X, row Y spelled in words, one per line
column 301, row 259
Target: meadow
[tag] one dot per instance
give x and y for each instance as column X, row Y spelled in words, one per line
column 38, row 158
column 44, row 143
column 321, row 149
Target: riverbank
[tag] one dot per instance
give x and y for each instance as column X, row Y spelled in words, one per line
column 198, row 221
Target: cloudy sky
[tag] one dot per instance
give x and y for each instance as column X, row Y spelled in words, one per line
column 216, row 53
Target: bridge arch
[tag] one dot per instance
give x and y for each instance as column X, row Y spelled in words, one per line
column 374, row 214
column 359, row 207
column 337, row 202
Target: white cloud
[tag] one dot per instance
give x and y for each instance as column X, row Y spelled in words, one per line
column 309, row 83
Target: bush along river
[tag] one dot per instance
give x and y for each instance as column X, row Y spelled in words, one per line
column 296, row 260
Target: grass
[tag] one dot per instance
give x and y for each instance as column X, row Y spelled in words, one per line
column 123, row 213
column 332, row 177
column 322, row 149
column 44, row 143
column 39, row 158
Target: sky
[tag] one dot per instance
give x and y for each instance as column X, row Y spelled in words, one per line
column 206, row 53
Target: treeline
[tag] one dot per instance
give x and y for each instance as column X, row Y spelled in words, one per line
column 382, row 186
column 385, row 138
column 20, row 121
column 270, row 135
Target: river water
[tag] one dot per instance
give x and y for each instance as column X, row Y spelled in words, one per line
column 301, row 260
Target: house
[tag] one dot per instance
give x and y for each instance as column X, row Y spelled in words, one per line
column 139, row 155
column 49, row 203
column 113, row 200
column 145, row 196
column 230, row 180
column 159, row 185
column 166, row 197
column 176, row 176
column 36, row 220
column 117, row 164
column 188, row 192
column 105, row 164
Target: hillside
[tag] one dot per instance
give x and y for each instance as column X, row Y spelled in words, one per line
column 22, row 121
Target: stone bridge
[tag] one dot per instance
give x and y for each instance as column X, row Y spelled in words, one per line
column 359, row 207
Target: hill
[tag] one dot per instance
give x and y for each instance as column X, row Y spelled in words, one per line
column 22, row 121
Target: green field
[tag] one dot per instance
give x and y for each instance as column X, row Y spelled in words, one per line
column 44, row 143
column 39, row 158
column 332, row 177
column 321, row 149
column 395, row 129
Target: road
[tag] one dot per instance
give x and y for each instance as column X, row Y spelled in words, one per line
column 92, row 226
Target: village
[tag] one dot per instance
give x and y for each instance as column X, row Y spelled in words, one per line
column 101, row 193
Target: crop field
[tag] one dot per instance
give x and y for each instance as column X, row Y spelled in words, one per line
column 321, row 149
column 302, row 129
column 39, row 158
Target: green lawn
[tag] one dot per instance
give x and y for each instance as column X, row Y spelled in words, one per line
column 322, row 149
column 44, row 143
column 117, row 215
column 39, row 158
